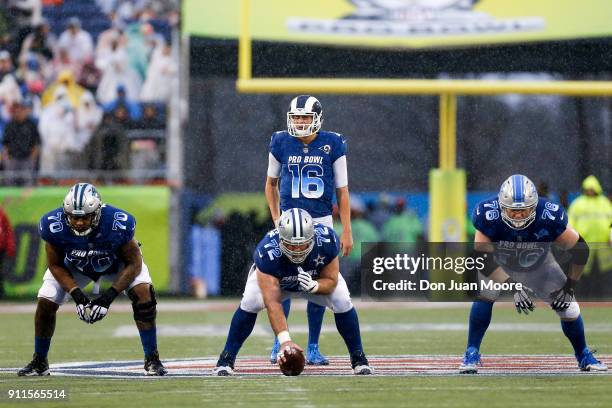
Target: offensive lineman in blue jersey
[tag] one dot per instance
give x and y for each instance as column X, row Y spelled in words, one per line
column 86, row 240
column 311, row 164
column 299, row 258
column 519, row 228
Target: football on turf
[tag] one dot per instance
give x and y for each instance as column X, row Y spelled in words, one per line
column 294, row 361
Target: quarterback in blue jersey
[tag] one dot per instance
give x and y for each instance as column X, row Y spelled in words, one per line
column 86, row 240
column 299, row 258
column 311, row 165
column 518, row 228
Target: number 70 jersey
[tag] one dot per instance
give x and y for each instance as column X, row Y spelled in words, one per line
column 96, row 253
column 307, row 171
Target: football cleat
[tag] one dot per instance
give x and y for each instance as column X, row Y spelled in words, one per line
column 38, row 366
column 314, row 356
column 471, row 361
column 360, row 364
column 153, row 366
column 588, row 362
column 223, row 371
column 225, row 365
column 274, row 353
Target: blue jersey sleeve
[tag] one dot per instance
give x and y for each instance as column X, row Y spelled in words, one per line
column 485, row 217
column 327, row 242
column 49, row 227
column 340, row 148
column 267, row 255
column 554, row 219
column 275, row 145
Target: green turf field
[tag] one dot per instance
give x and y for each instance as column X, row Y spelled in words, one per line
column 76, row 341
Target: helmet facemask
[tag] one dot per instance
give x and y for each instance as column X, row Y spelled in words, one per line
column 303, row 129
column 518, row 223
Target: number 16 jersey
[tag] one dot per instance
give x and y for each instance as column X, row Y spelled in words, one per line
column 307, row 170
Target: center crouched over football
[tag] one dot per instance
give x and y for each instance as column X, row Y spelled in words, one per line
column 293, row 362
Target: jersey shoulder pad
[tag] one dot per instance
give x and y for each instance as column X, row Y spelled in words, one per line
column 118, row 222
column 267, row 254
column 52, row 226
column 276, row 141
column 337, row 143
column 552, row 216
column 328, row 239
column 486, row 215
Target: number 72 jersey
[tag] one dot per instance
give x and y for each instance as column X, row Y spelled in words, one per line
column 307, row 171
column 95, row 254
column 524, row 249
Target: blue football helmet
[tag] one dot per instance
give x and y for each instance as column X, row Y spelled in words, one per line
column 517, row 192
column 296, row 232
column 304, row 105
column 83, row 200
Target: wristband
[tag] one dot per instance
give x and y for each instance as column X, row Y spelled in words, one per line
column 283, row 337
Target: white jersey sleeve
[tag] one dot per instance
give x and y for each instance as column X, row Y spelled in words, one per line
column 274, row 166
column 340, row 172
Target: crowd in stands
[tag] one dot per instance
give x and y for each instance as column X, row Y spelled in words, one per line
column 70, row 98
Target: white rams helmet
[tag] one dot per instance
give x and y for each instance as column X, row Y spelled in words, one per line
column 304, row 105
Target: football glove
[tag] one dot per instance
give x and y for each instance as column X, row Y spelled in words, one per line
column 100, row 305
column 81, row 301
column 307, row 284
column 522, row 298
column 562, row 298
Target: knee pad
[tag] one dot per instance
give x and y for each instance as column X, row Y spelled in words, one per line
column 144, row 312
column 571, row 313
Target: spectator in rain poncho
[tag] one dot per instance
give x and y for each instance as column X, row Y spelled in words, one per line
column 402, row 226
column 591, row 215
column 77, row 41
column 160, row 75
column 88, row 118
column 66, row 80
column 58, row 134
column 115, row 71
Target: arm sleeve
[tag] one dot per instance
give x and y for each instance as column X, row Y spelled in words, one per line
column 340, row 172
column 274, row 166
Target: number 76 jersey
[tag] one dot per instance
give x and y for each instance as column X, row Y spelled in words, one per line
column 95, row 254
column 307, row 171
column 525, row 249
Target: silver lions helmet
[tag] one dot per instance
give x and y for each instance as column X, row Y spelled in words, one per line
column 518, row 199
column 300, row 109
column 83, row 208
column 296, row 232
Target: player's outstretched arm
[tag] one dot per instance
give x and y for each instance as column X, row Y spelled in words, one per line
column 328, row 278
column 132, row 260
column 273, row 197
column 579, row 252
column 271, row 292
column 344, row 208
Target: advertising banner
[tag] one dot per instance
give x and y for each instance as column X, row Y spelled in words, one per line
column 402, row 23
